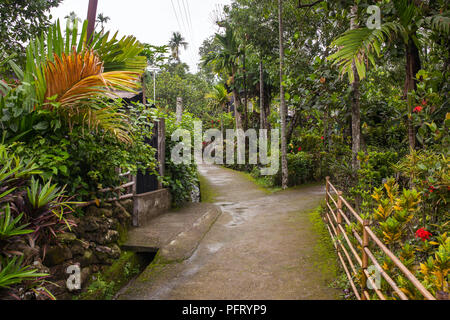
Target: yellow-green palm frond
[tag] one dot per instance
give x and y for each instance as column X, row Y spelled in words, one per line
column 110, row 121
column 77, row 86
column 219, row 95
column 359, row 45
column 79, row 77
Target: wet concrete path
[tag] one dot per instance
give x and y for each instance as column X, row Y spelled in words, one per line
column 262, row 247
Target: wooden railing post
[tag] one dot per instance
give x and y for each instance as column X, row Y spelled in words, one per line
column 338, row 213
column 364, row 259
column 327, row 188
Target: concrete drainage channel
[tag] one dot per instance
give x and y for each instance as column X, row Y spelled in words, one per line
column 171, row 237
column 144, row 259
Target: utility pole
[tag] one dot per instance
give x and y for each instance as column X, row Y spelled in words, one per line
column 179, row 109
column 153, row 70
column 92, row 15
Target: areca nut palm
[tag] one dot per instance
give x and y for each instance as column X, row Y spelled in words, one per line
column 175, row 43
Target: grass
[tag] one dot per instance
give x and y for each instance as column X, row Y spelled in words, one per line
column 265, row 185
column 110, row 281
column 324, row 248
column 207, row 193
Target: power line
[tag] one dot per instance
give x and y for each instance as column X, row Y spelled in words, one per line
column 176, row 16
column 189, row 19
column 188, row 16
column 182, row 15
column 187, row 23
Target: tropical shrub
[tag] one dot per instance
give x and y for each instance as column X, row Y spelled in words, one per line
column 62, row 114
column 181, row 179
column 29, row 213
column 300, row 166
column 428, row 171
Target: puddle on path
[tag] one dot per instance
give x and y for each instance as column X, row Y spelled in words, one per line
column 213, row 248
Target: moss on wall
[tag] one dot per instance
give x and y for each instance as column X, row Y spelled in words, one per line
column 108, row 282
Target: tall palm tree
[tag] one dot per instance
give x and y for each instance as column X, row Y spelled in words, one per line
column 225, row 60
column 71, row 19
column 175, row 43
column 356, row 112
column 102, row 20
column 283, row 109
column 356, row 46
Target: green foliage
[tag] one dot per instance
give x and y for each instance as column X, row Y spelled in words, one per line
column 8, row 225
column 22, row 21
column 428, row 171
column 355, row 46
column 173, row 82
column 12, row 272
column 181, row 179
column 300, row 166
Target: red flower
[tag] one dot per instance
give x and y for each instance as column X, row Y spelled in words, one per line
column 299, row 148
column 431, row 189
column 417, row 109
column 322, row 138
column 423, row 234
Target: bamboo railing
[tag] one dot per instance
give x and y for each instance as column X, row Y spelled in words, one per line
column 129, row 187
column 336, row 220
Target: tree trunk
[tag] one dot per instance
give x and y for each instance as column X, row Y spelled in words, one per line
column 237, row 106
column 267, row 101
column 262, row 107
column 326, row 127
column 283, row 111
column 245, row 96
column 356, row 115
column 413, row 66
column 292, row 126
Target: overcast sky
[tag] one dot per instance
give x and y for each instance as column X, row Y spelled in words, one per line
column 153, row 21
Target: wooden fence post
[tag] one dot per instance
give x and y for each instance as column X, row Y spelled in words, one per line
column 338, row 213
column 365, row 259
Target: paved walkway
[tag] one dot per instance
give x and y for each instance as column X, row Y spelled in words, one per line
column 261, row 247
